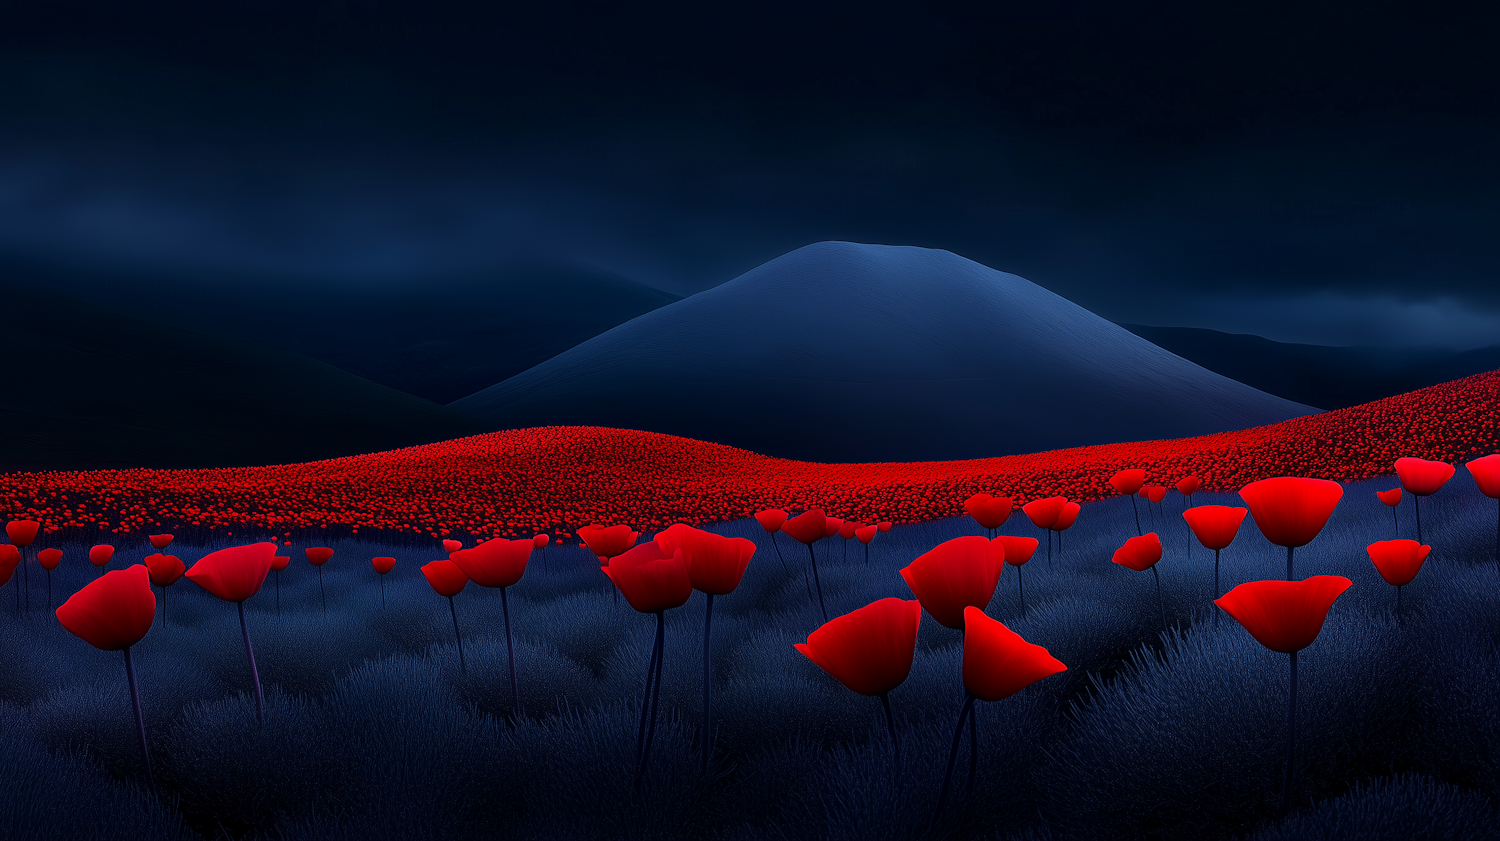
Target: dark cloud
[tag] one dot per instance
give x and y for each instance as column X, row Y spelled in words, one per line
column 1159, row 168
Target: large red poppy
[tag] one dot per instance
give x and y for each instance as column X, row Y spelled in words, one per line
column 1398, row 561
column 494, row 563
column 165, row 569
column 650, row 578
column 771, row 519
column 160, row 541
column 112, row 612
column 383, row 565
column 1391, row 497
column 997, row 662
column 445, row 577
column 715, row 563
column 607, row 542
column 21, row 532
column 1290, row 510
column 1421, row 477
column 234, row 574
column 1284, row 616
column 807, row 527
column 955, row 574
column 1486, row 473
column 100, row 555
column 1215, row 526
column 318, row 555
column 869, row 650
column 1139, row 553
column 1018, row 550
column 1044, row 512
column 1128, row 481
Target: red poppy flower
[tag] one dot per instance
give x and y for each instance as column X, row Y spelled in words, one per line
column 807, row 527
column 446, row 578
column 318, row 555
column 21, row 532
column 50, row 558
column 1044, row 512
column 1290, row 510
column 1422, row 477
column 165, row 569
column 1188, row 485
column 1128, row 481
column 869, row 650
column 608, row 542
column 847, row 529
column 1215, row 526
column 100, row 555
column 1018, row 550
column 494, row 563
column 1067, row 517
column 236, row 573
column 884, row 526
column 1398, row 561
column 112, row 612
column 831, row 526
column 540, row 541
column 1139, row 553
column 866, row 534
column 1391, row 497
column 955, row 574
column 992, row 511
column 279, row 562
column 650, row 578
column 1486, row 473
column 160, row 541
column 771, row 519
column 1284, row 616
column 451, row 546
column 715, row 563
column 383, row 565
column 997, row 662
column 1156, row 493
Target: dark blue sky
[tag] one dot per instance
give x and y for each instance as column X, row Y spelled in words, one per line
column 1311, row 172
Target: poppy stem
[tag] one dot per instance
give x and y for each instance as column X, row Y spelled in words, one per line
column 814, row 557
column 1159, row 603
column 461, row 667
column 1137, row 510
column 1049, row 547
column 963, row 716
column 1022, row 588
column 777, row 547
column 640, row 772
column 49, row 597
column 1396, row 525
column 26, row 574
column 163, row 605
column 1289, row 563
column 1059, row 546
column 1216, row 585
column 515, row 691
column 1417, row 500
column 973, row 751
column 708, row 709
column 1398, row 604
column 260, row 704
column 382, row 592
column 867, row 553
column 640, row 736
column 323, row 591
column 890, row 723
column 140, row 723
column 1497, row 542
column 1291, row 738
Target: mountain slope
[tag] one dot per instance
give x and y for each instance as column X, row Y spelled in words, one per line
column 87, row 388
column 439, row 338
column 1330, row 377
column 847, row 352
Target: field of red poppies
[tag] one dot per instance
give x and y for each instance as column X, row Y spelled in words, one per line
column 1203, row 649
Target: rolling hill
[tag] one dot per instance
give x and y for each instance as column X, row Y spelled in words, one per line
column 848, row 352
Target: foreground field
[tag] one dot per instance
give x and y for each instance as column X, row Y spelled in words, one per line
column 372, row 730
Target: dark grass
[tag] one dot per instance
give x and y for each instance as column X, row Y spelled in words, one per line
column 372, row 730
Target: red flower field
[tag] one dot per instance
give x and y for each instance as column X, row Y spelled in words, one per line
column 556, row 479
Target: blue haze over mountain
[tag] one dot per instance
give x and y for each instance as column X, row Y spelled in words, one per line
column 847, row 352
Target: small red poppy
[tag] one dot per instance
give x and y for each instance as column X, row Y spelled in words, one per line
column 383, row 564
column 1018, row 550
column 1391, row 497
column 1421, row 477
column 1398, row 561
column 650, row 578
column 165, row 569
column 50, row 558
column 807, row 527
column 1139, row 553
column 21, row 532
column 715, row 563
column 100, row 555
column 160, row 541
column 1215, row 526
column 494, row 563
column 771, row 519
column 318, row 555
column 869, row 650
column 445, row 577
column 1128, row 481
column 955, row 574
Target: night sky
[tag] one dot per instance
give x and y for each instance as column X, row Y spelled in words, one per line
column 1323, row 173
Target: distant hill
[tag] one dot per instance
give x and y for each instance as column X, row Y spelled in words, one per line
column 1327, row 377
column 87, row 388
column 847, row 352
column 440, row 337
